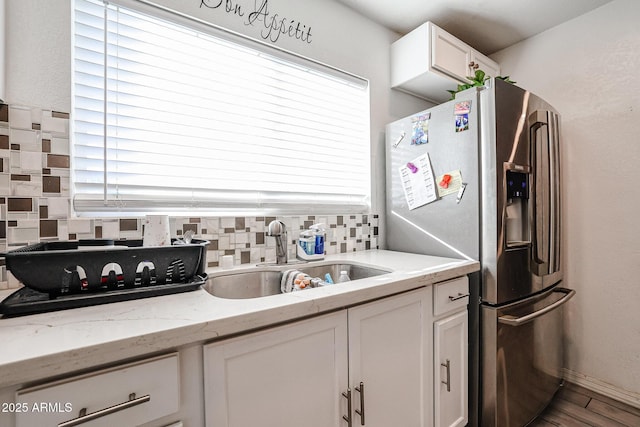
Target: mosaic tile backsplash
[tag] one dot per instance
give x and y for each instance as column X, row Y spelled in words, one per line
column 35, row 203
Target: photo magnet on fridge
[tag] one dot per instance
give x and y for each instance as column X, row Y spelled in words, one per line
column 420, row 133
column 461, row 111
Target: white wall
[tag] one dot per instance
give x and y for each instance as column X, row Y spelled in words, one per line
column 39, row 55
column 588, row 69
column 38, row 49
column 2, row 45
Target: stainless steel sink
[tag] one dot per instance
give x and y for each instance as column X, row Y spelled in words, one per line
column 355, row 271
column 264, row 282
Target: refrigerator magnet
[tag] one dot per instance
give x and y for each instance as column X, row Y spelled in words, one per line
column 462, row 107
column 461, row 192
column 413, row 168
column 420, row 129
column 399, row 140
column 449, row 183
column 461, row 112
column 462, row 122
column 444, row 182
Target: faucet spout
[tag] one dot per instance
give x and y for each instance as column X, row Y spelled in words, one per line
column 278, row 230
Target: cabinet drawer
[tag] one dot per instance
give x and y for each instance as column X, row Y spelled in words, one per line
column 131, row 394
column 450, row 296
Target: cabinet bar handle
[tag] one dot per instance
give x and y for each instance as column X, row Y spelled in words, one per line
column 347, row 418
column 83, row 417
column 448, row 381
column 361, row 410
column 457, row 297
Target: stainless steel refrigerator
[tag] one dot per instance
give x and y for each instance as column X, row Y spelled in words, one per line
column 479, row 177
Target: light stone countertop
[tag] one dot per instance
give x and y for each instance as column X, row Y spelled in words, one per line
column 35, row 347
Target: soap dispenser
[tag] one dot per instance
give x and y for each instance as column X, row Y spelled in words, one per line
column 307, row 242
column 319, row 234
column 310, row 245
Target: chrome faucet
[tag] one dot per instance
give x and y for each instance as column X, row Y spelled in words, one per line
column 278, row 230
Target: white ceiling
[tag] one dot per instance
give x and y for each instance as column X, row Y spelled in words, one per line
column 487, row 25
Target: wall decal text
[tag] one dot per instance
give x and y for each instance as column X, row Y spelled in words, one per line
column 260, row 15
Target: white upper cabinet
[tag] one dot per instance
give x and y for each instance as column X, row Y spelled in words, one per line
column 449, row 55
column 488, row 65
column 429, row 61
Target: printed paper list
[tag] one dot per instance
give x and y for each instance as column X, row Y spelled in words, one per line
column 419, row 187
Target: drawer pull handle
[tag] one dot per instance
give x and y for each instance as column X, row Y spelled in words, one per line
column 457, row 297
column 448, row 381
column 83, row 417
column 348, row 418
column 361, row 410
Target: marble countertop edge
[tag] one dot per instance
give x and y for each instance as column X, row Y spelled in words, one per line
column 54, row 344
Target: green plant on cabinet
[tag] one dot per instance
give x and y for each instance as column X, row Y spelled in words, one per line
column 478, row 79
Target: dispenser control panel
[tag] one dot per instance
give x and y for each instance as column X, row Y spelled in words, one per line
column 517, row 185
column 517, row 228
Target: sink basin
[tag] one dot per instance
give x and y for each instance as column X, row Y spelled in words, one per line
column 264, row 282
column 247, row 284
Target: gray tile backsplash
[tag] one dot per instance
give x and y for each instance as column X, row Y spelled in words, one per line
column 35, row 203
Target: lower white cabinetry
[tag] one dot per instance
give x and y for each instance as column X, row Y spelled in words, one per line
column 396, row 361
column 126, row 395
column 390, row 359
column 451, row 379
column 296, row 375
column 451, row 354
column 285, row 376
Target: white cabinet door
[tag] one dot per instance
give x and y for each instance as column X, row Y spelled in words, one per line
column 428, row 62
column 450, row 55
column 390, row 353
column 450, row 371
column 479, row 61
column 287, row 376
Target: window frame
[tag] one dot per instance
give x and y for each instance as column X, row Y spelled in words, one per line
column 235, row 203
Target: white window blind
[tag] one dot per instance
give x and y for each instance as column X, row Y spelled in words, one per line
column 175, row 117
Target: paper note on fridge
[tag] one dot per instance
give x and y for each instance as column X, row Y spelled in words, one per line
column 450, row 186
column 417, row 182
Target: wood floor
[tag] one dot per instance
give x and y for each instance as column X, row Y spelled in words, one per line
column 575, row 406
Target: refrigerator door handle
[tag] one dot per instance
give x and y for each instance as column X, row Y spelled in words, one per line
column 544, row 137
column 539, row 119
column 517, row 321
column 554, row 171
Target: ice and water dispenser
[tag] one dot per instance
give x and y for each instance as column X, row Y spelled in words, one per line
column 517, row 210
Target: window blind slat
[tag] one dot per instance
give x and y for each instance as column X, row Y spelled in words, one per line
column 209, row 121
